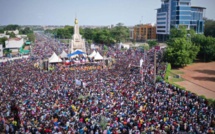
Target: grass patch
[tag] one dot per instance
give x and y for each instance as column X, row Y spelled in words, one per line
column 176, row 71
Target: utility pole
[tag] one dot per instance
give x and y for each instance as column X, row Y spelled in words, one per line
column 155, row 66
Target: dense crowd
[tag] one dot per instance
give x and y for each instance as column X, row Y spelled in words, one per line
column 115, row 100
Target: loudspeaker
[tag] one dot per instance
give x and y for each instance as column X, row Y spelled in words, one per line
column 45, row 65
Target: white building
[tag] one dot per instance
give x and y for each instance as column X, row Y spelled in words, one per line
column 21, row 36
column 14, row 31
column 14, row 44
column 77, row 41
column 2, row 35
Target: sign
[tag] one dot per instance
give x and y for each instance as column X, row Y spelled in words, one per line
column 92, row 46
column 1, row 50
column 157, row 48
column 141, row 62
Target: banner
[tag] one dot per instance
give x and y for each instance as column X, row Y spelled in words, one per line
column 141, row 62
column 1, row 50
column 78, row 82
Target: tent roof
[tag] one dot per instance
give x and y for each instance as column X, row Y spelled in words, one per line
column 98, row 56
column 92, row 54
column 75, row 53
column 54, row 58
column 63, row 54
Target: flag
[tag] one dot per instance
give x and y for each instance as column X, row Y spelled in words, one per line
column 141, row 62
column 78, row 82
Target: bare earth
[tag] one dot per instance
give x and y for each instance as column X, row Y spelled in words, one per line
column 199, row 79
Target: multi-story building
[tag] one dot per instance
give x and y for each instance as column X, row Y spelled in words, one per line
column 174, row 13
column 143, row 32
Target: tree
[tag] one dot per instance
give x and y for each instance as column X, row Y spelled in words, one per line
column 2, row 41
column 31, row 37
column 209, row 27
column 152, row 43
column 207, row 47
column 26, row 30
column 120, row 32
column 12, row 34
column 12, row 27
column 180, row 51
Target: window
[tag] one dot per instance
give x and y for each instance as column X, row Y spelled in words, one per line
column 161, row 26
column 160, row 30
column 161, row 18
column 184, row 17
column 184, row 3
column 161, row 22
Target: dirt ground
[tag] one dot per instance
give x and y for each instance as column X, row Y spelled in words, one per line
column 199, row 78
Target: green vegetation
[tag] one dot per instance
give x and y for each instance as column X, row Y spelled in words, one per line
column 209, row 29
column 207, row 47
column 168, row 69
column 107, row 36
column 158, row 78
column 12, row 35
column 152, row 43
column 2, row 41
column 180, row 51
column 12, row 27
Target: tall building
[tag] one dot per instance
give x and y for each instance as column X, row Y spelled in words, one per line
column 143, row 32
column 178, row 12
column 77, row 42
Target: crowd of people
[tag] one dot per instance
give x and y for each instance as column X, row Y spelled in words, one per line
column 115, row 100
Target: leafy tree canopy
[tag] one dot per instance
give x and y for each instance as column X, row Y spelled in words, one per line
column 180, row 51
column 209, row 27
column 207, row 47
column 12, row 27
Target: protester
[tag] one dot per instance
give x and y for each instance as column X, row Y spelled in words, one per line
column 114, row 100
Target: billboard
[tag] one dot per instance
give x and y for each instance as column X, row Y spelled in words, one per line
column 1, row 50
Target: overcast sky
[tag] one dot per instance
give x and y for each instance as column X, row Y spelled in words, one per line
column 88, row 12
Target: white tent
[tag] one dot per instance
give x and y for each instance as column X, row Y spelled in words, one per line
column 63, row 54
column 98, row 56
column 54, row 58
column 92, row 54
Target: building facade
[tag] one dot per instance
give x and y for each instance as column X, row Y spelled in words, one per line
column 143, row 32
column 14, row 44
column 174, row 13
column 77, row 43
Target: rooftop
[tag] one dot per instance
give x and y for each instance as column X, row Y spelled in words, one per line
column 16, row 39
column 198, row 7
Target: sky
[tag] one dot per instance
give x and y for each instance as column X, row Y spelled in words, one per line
column 88, row 12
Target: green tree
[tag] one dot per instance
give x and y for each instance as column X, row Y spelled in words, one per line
column 26, row 30
column 207, row 47
column 152, row 43
column 209, row 29
column 1, row 30
column 180, row 51
column 120, row 32
column 12, row 34
column 12, row 27
column 2, row 41
column 31, row 37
